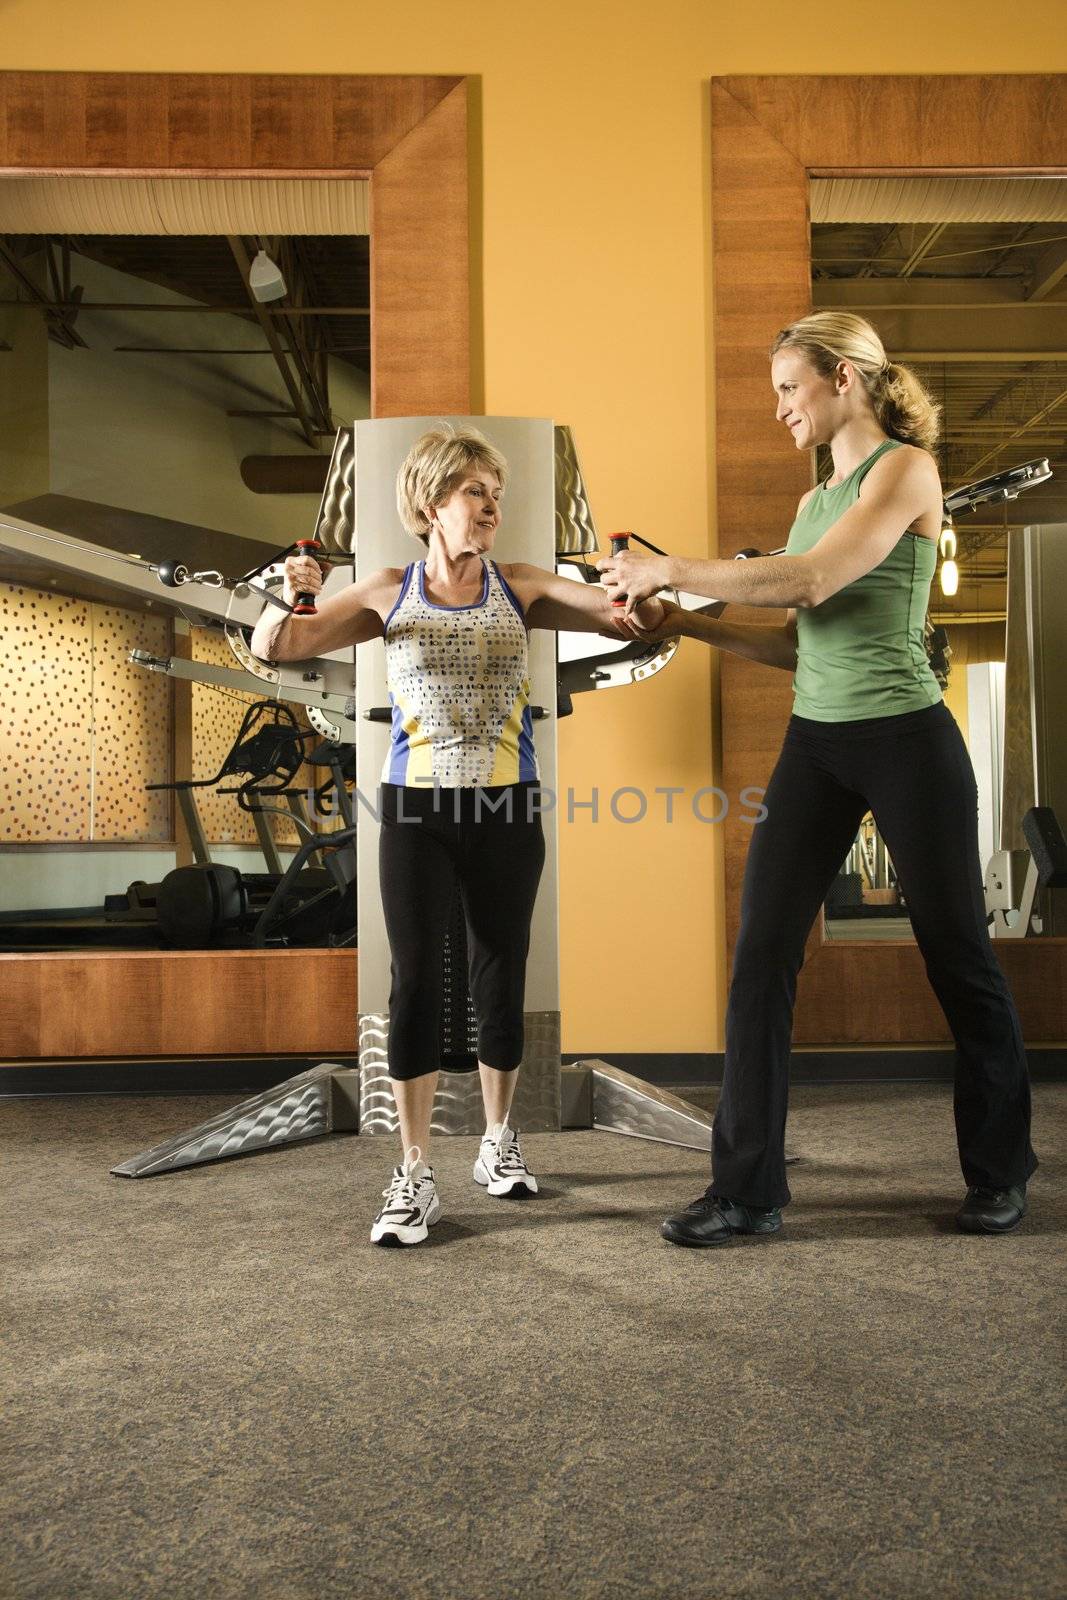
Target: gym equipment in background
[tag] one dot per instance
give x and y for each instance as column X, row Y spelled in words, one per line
column 999, row 486
column 213, row 904
column 210, row 904
column 1013, row 877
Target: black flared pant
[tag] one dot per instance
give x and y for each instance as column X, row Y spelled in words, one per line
column 914, row 774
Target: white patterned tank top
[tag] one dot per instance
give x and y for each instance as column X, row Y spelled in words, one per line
column 459, row 687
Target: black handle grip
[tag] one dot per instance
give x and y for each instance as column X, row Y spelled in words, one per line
column 619, row 541
column 305, row 603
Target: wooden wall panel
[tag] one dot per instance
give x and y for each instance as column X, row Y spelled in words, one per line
column 976, row 122
column 161, row 1003
column 218, row 122
column 409, row 134
column 768, row 136
column 762, row 279
column 420, row 305
column 877, row 994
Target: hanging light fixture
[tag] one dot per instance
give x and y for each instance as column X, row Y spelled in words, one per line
column 947, row 539
column 947, row 544
column 950, row 577
column 265, row 278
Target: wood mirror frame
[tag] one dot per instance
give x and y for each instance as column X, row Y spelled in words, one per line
column 409, row 136
column 770, row 137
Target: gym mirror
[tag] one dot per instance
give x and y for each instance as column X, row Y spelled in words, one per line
column 171, row 381
column 965, row 280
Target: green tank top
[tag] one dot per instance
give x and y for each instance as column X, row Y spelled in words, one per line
column 861, row 652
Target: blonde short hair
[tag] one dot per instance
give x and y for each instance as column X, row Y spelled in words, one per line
column 898, row 398
column 435, row 466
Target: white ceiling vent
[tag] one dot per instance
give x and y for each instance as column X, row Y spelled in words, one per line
column 939, row 200
column 301, row 206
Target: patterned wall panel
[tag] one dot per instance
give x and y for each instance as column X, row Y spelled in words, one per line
column 45, row 717
column 132, row 723
column 81, row 731
column 217, row 716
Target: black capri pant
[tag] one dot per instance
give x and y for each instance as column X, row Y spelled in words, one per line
column 490, row 841
column 914, row 774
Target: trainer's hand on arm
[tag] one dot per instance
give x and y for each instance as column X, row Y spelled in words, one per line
column 561, row 604
column 636, row 577
column 770, row 581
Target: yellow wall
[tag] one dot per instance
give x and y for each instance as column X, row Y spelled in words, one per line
column 594, row 236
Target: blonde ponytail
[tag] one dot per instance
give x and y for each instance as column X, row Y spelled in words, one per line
column 898, row 398
column 905, row 409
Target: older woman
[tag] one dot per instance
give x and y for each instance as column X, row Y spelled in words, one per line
column 869, row 731
column 459, row 795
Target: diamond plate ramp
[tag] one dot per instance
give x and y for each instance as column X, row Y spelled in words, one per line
column 628, row 1105
column 299, row 1108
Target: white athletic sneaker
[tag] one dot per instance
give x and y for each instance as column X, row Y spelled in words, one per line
column 411, row 1204
column 500, row 1167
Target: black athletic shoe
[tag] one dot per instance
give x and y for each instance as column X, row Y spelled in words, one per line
column 715, row 1220
column 991, row 1210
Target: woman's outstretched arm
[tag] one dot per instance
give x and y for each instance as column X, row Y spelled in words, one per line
column 550, row 601
column 895, row 493
column 756, row 641
column 351, row 617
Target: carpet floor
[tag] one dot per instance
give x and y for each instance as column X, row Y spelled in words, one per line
column 214, row 1386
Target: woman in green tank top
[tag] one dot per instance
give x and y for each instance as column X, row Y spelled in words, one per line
column 869, row 731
